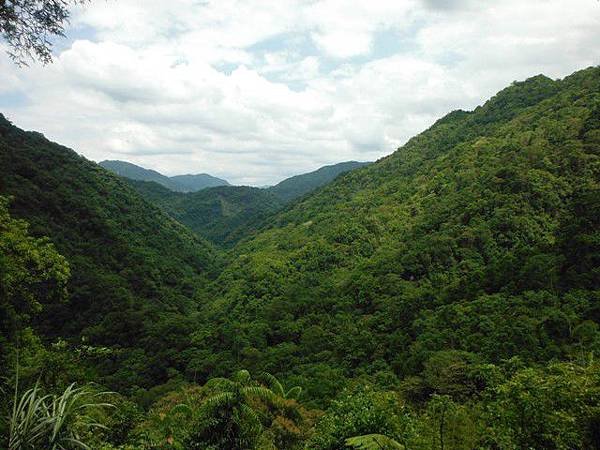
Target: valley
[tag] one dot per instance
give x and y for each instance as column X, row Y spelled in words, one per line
column 444, row 296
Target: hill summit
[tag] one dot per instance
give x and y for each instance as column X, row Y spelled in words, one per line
column 178, row 183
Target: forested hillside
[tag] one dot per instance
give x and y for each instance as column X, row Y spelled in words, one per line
column 133, row 269
column 444, row 297
column 488, row 214
column 476, row 243
column 227, row 214
column 299, row 185
column 224, row 215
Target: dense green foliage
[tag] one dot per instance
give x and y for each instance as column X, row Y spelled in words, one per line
column 178, row 183
column 236, row 413
column 224, row 215
column 134, row 271
column 475, row 242
column 228, row 214
column 300, row 185
column 32, row 274
column 445, row 297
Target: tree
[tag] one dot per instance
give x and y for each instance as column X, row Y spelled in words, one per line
column 232, row 418
column 439, row 408
column 32, row 274
column 361, row 418
column 449, row 425
column 554, row 407
column 28, row 27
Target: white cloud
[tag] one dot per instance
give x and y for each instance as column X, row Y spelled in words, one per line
column 255, row 91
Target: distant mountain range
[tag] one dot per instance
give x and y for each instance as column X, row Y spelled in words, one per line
column 224, row 214
column 178, row 183
column 287, row 190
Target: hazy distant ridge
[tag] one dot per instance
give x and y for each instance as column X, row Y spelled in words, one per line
column 228, row 214
column 178, row 183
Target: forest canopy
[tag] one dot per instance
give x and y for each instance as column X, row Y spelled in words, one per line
column 444, row 297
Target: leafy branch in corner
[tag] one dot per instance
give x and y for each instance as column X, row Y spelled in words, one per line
column 28, row 27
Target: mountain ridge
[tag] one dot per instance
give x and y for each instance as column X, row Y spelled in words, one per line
column 298, row 185
column 472, row 213
column 226, row 215
column 177, row 183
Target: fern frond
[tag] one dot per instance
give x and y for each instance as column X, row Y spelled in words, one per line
column 218, row 400
column 251, row 414
column 242, row 376
column 261, row 392
column 181, row 408
column 221, row 383
column 294, row 392
column 373, row 442
column 274, row 384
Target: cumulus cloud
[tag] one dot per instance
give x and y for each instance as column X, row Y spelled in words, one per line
column 255, row 90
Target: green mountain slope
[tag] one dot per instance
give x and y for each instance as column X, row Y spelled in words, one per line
column 299, row 185
column 447, row 296
column 133, row 268
column 178, row 183
column 477, row 241
column 228, row 214
column 223, row 215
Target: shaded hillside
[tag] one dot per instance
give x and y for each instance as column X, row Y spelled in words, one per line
column 299, row 185
column 133, row 268
column 224, row 215
column 178, row 183
column 475, row 242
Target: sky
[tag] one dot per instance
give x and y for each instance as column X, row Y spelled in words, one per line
column 255, row 91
